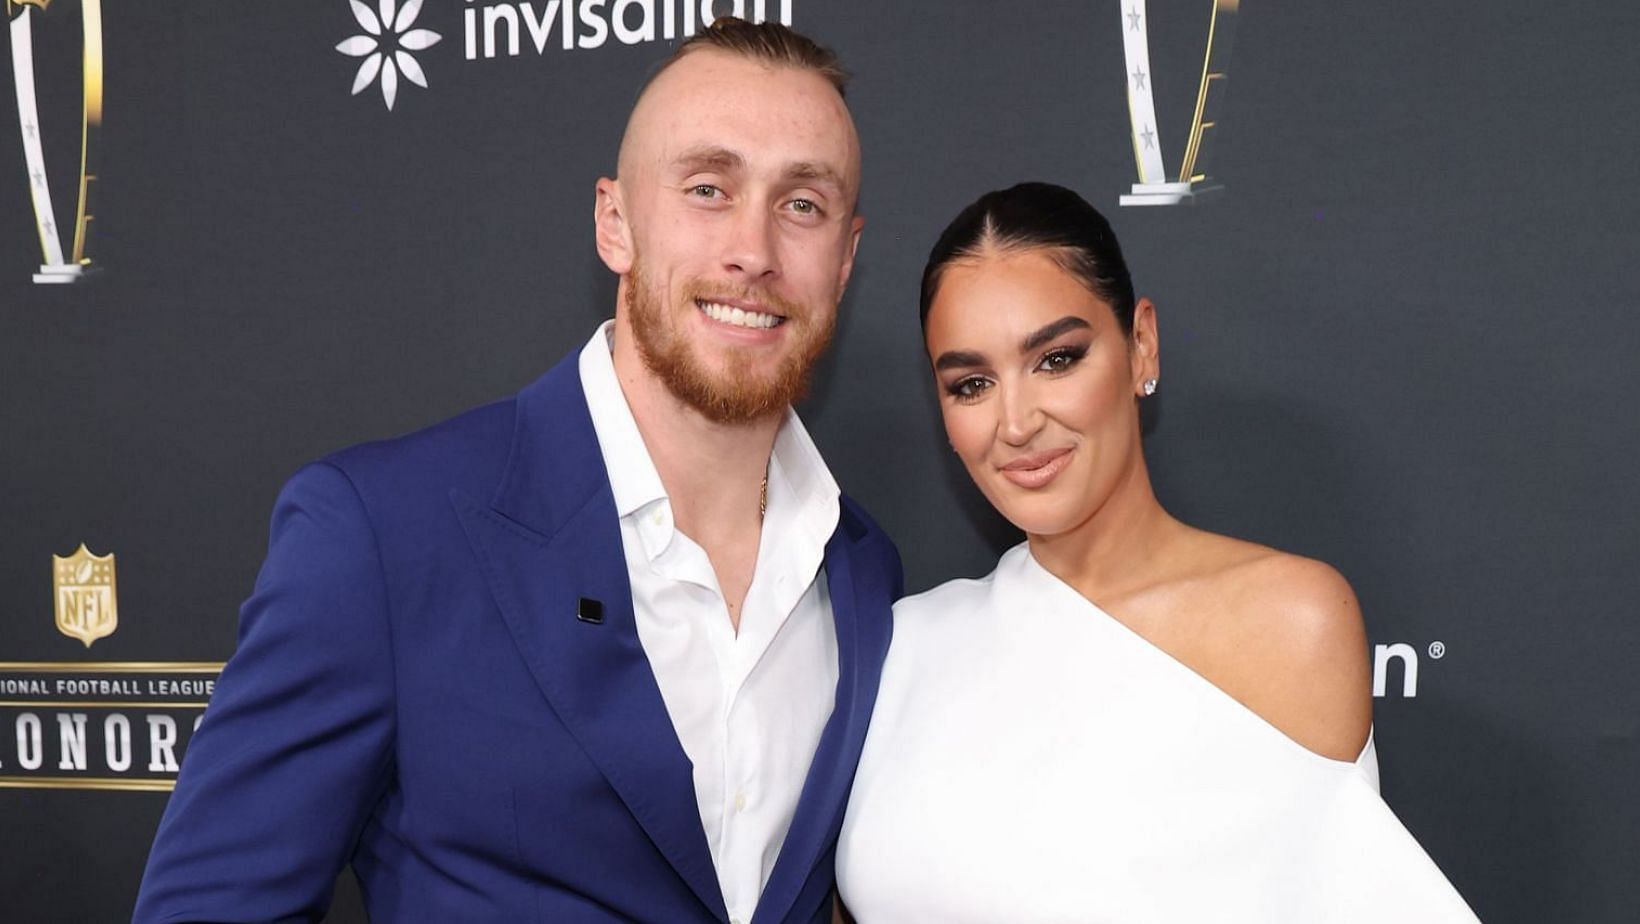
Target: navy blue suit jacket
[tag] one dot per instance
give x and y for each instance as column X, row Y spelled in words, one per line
column 413, row 693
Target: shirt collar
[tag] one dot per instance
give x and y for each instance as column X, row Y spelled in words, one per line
column 632, row 475
column 800, row 485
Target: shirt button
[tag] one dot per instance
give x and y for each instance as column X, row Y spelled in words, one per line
column 734, row 921
column 740, row 801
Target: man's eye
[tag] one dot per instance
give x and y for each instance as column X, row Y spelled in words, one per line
column 705, row 191
column 805, row 207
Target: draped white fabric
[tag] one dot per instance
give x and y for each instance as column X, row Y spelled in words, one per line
column 1031, row 759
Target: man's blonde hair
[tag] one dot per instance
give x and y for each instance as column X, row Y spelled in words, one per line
column 768, row 43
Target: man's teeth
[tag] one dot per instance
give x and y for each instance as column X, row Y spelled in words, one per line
column 739, row 317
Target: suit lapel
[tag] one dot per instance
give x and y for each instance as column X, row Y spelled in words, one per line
column 862, row 641
column 550, row 537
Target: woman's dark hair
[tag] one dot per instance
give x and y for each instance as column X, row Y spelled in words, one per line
column 1037, row 216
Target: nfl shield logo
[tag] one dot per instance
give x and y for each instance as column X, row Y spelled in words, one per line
column 86, row 607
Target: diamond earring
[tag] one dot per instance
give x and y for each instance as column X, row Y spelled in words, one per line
column 1150, row 387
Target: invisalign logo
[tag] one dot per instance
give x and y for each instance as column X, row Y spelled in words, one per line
column 501, row 29
column 387, row 42
column 386, row 46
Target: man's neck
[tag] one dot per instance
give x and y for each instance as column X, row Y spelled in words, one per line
column 713, row 472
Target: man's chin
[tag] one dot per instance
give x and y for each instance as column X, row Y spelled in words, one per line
column 737, row 402
column 728, row 382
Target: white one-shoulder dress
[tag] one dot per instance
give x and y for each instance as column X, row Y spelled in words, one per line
column 1031, row 759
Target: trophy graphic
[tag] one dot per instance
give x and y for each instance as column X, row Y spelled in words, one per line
column 1192, row 183
column 64, row 257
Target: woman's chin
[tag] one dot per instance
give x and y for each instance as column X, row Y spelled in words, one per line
column 1035, row 521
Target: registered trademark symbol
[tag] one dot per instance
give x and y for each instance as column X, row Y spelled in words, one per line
column 1437, row 650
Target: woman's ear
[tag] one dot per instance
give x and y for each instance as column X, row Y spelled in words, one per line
column 1145, row 356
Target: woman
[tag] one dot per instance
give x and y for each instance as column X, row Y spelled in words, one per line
column 1130, row 720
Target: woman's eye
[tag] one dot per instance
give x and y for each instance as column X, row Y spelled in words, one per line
column 1060, row 360
column 969, row 388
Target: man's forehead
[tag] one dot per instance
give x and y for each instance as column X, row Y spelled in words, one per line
column 742, row 113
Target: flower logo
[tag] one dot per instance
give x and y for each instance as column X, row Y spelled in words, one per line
column 386, row 46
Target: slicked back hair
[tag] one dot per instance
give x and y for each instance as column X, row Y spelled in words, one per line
column 1037, row 217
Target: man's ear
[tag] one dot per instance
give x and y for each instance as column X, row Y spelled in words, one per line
column 613, row 233
column 858, row 225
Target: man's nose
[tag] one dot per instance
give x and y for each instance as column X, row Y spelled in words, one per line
column 1021, row 415
column 750, row 249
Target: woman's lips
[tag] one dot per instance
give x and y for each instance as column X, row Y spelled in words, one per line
column 1037, row 469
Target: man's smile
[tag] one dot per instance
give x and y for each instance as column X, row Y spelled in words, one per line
column 739, row 314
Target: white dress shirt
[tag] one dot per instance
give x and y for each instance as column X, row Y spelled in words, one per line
column 748, row 708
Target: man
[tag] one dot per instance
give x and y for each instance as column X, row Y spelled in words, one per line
column 603, row 651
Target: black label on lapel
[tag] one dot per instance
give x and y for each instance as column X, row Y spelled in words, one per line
column 590, row 610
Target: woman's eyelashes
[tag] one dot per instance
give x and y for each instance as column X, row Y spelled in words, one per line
column 1061, row 359
column 968, row 388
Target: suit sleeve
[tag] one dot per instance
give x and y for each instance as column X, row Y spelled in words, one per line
column 296, row 746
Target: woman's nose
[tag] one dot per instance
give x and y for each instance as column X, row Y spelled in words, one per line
column 1022, row 416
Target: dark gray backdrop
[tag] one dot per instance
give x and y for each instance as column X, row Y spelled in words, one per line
column 1403, row 343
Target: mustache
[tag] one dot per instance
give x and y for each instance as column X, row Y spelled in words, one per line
column 773, row 302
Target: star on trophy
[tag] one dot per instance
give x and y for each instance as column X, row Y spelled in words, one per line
column 1192, row 183
column 65, row 257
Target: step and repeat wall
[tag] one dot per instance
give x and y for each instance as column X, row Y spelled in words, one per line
column 1392, row 248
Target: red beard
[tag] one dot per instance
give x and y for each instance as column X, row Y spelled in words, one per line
column 733, row 394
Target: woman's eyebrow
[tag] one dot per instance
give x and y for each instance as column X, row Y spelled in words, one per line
column 1067, row 323
column 959, row 359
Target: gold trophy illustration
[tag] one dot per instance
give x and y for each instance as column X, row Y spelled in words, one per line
column 65, row 255
column 1192, row 183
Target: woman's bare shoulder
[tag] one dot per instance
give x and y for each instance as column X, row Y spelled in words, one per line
column 1299, row 643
